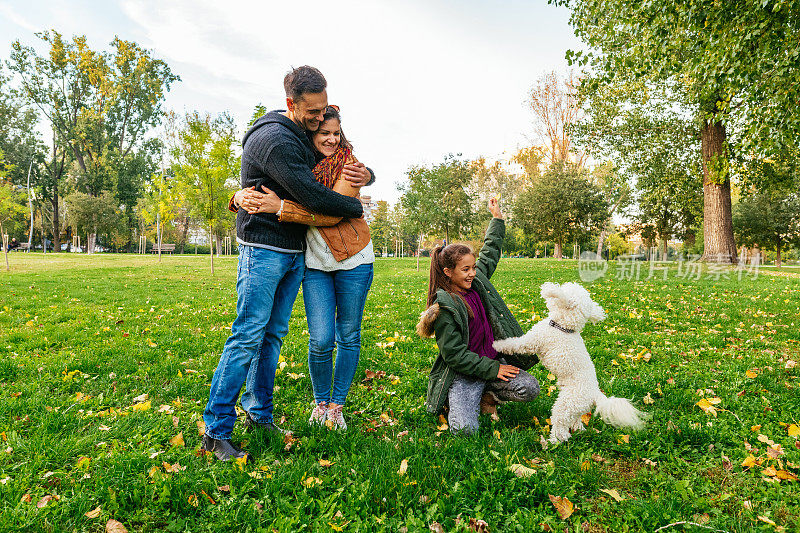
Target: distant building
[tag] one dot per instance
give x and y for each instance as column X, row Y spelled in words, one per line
column 369, row 207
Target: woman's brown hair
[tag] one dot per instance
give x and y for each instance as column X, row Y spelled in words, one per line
column 445, row 257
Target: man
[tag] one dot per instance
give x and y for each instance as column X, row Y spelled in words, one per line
column 278, row 155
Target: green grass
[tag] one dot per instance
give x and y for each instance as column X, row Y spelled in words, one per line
column 81, row 337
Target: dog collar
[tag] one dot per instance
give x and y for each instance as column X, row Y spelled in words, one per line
column 560, row 328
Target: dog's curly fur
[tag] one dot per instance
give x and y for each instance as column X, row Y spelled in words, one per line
column 564, row 354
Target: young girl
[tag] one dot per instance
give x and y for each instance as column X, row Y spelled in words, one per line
column 467, row 314
column 339, row 268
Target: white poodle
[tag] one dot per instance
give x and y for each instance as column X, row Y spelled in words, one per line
column 557, row 340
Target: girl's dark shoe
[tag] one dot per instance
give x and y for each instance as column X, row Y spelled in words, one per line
column 222, row 448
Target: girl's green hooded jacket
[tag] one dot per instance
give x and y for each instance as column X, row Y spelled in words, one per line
column 448, row 319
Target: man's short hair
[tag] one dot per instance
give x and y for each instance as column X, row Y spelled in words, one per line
column 303, row 80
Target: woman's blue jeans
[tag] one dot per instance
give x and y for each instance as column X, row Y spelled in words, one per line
column 334, row 304
column 267, row 286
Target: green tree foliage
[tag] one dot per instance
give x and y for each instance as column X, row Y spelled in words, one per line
column 259, row 111
column 207, row 166
column 562, row 207
column 12, row 202
column 656, row 147
column 381, row 228
column 736, row 63
column 100, row 215
column 768, row 217
column 99, row 105
column 616, row 191
column 19, row 139
column 161, row 202
column 618, row 245
column 435, row 199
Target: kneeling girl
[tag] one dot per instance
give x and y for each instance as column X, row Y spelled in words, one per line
column 466, row 314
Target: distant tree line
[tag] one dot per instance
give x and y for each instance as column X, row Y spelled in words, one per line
column 116, row 165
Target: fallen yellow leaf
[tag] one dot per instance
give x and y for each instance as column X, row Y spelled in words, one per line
column 201, row 427
column 144, row 406
column 192, row 500
column 442, row 423
column 325, row 463
column 751, row 374
column 563, row 506
column 624, row 438
column 785, row 474
column 311, row 481
column 522, row 470
column 177, row 440
column 614, row 494
column 585, row 418
column 403, row 467
column 750, row 461
column 94, row 513
column 706, row 405
column 794, row 430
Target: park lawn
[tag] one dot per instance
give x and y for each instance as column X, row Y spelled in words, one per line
column 82, row 339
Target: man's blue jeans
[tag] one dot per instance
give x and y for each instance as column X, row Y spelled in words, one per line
column 334, row 304
column 267, row 285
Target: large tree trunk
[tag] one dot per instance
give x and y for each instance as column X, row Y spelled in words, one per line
column 557, row 251
column 56, row 223
column 778, row 255
column 719, row 244
column 600, row 242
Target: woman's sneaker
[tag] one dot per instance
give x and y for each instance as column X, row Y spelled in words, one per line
column 318, row 415
column 335, row 418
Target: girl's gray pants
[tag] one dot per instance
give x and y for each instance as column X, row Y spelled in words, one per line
column 465, row 395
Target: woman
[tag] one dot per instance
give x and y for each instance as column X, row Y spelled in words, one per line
column 339, row 270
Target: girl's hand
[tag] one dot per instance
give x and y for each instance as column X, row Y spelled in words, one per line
column 494, row 208
column 254, row 201
column 506, row 372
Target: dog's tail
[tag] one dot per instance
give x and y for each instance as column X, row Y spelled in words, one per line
column 620, row 413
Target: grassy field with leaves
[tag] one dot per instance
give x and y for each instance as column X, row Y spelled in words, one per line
column 106, row 361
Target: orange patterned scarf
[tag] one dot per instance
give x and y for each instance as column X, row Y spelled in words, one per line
column 328, row 170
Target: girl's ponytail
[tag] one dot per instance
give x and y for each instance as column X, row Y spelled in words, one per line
column 437, row 279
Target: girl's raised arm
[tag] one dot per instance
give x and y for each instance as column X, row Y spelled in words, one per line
column 492, row 241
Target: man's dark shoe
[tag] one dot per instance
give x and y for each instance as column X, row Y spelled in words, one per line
column 250, row 423
column 222, row 449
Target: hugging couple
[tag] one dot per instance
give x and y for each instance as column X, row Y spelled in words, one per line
column 298, row 219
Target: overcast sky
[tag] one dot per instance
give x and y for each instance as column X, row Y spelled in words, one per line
column 415, row 80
